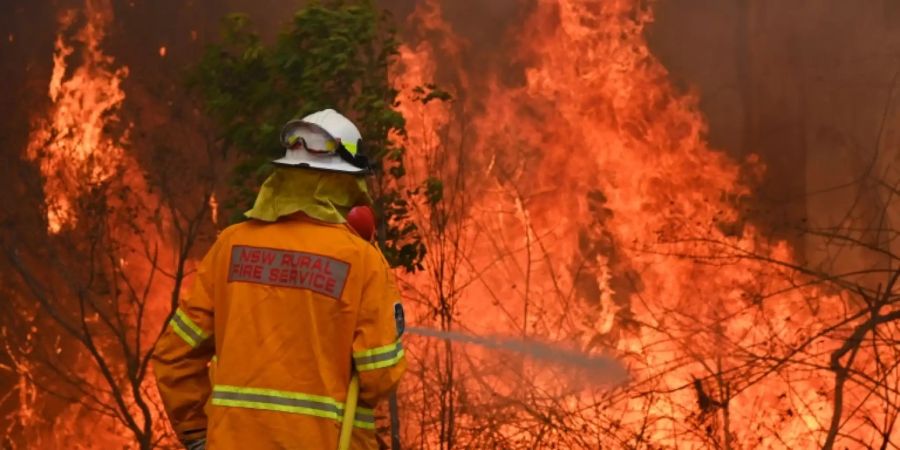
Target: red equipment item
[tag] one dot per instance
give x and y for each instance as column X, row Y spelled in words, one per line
column 362, row 219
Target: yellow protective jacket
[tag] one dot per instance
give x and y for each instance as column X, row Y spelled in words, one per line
column 261, row 353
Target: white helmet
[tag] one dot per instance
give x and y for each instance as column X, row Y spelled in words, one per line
column 324, row 140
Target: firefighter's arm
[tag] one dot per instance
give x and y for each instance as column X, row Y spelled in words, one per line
column 378, row 354
column 182, row 354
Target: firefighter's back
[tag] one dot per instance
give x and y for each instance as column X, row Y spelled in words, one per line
column 259, row 354
column 286, row 306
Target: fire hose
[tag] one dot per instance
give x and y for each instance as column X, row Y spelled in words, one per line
column 349, row 413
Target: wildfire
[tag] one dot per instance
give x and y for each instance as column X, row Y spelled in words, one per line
column 72, row 145
column 582, row 206
column 590, row 195
column 79, row 146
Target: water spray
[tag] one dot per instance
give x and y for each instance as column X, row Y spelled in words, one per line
column 608, row 368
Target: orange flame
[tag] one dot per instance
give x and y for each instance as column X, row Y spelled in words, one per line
column 71, row 145
column 577, row 206
column 78, row 145
column 214, row 209
column 595, row 213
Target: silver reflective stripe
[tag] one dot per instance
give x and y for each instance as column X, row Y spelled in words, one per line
column 372, row 359
column 187, row 329
column 289, row 402
column 365, row 419
column 367, row 416
column 261, row 400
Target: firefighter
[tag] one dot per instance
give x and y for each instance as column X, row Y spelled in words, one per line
column 285, row 308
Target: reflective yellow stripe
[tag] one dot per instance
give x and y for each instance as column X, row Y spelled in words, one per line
column 190, row 323
column 268, row 406
column 272, row 400
column 185, row 328
column 184, row 336
column 281, row 394
column 365, row 418
column 378, row 350
column 289, row 402
column 382, row 364
column 351, row 147
column 378, row 358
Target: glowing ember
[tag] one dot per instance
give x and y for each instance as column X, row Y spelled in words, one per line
column 214, row 209
column 162, row 52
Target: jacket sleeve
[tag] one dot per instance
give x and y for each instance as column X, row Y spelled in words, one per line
column 378, row 354
column 182, row 355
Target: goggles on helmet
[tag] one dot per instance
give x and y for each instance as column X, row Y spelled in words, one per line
column 297, row 135
column 311, row 136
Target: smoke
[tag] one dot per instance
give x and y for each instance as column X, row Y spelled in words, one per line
column 806, row 85
column 489, row 34
column 602, row 369
column 484, row 24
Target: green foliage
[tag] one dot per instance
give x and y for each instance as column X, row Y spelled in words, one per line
column 332, row 54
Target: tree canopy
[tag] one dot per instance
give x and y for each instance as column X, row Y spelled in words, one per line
column 332, row 54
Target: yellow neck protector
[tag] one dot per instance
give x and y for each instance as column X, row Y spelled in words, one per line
column 325, row 196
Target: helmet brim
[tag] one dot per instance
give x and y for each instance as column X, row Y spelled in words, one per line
column 319, row 161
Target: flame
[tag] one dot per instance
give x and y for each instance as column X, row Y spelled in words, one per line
column 79, row 145
column 214, row 209
column 591, row 210
column 72, row 146
column 576, row 207
column 162, row 51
